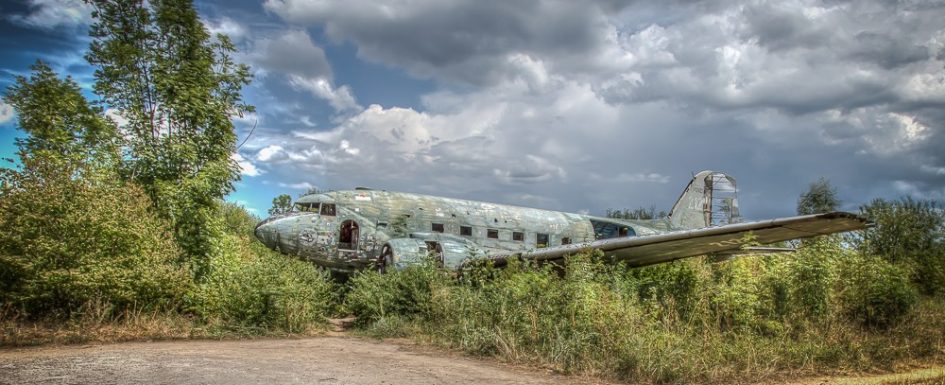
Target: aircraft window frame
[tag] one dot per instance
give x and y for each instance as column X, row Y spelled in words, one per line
column 437, row 227
column 492, row 233
column 518, row 236
column 305, row 207
column 328, row 209
column 465, row 231
column 542, row 236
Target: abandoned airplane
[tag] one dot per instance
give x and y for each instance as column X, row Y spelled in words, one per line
column 345, row 231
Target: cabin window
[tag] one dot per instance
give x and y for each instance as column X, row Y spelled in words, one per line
column 565, row 241
column 328, row 209
column 492, row 233
column 437, row 227
column 465, row 231
column 518, row 236
column 542, row 240
column 605, row 230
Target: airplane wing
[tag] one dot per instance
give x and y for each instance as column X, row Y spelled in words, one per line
column 652, row 249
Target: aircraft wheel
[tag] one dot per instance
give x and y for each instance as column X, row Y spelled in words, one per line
column 386, row 260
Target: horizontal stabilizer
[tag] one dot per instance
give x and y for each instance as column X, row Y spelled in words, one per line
column 651, row 249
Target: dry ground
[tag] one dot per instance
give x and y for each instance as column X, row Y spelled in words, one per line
column 318, row 360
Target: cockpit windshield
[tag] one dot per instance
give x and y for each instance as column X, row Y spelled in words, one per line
column 306, row 207
column 328, row 209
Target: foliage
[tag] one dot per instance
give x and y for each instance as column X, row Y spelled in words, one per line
column 60, row 124
column 640, row 213
column 177, row 88
column 406, row 293
column 693, row 320
column 820, row 197
column 875, row 292
column 252, row 289
column 810, row 275
column 238, row 221
column 911, row 234
column 281, row 204
column 67, row 242
column 104, row 226
column 257, row 290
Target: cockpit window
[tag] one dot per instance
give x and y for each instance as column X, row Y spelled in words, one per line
column 328, row 209
column 306, row 206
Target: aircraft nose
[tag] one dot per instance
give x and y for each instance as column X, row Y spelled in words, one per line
column 266, row 233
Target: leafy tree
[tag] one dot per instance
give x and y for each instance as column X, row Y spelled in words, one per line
column 640, row 213
column 911, row 233
column 73, row 233
column 281, row 204
column 820, row 197
column 60, row 124
column 158, row 66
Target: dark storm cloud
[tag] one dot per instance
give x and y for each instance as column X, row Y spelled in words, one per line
column 614, row 104
column 291, row 52
column 457, row 40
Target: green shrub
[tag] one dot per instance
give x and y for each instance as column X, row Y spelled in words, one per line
column 251, row 289
column 811, row 273
column 66, row 242
column 408, row 292
column 909, row 233
column 677, row 282
column 874, row 292
column 238, row 221
column 746, row 317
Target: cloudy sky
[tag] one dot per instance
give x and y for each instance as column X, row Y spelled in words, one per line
column 575, row 106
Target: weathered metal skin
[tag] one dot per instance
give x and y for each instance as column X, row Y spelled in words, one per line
column 350, row 230
column 404, row 222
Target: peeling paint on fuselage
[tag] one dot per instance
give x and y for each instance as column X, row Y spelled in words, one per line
column 470, row 229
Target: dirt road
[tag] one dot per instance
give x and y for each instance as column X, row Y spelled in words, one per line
column 322, row 360
column 319, row 360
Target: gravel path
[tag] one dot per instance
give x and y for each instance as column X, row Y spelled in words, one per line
column 319, row 360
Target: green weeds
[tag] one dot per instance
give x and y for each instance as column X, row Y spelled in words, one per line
column 823, row 309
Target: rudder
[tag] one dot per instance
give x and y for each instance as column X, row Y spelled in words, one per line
column 710, row 199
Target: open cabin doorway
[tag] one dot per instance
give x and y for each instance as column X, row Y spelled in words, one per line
column 348, row 236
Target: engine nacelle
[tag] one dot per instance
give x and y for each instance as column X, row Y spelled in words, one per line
column 399, row 253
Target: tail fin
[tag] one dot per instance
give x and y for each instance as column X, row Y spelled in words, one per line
column 710, row 199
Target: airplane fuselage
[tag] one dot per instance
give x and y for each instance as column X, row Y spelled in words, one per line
column 355, row 229
column 350, row 230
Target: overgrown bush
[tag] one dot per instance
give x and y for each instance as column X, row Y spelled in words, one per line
column 693, row 320
column 406, row 293
column 251, row 289
column 909, row 233
column 875, row 292
column 66, row 242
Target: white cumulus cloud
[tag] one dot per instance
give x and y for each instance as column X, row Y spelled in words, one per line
column 340, row 98
column 51, row 14
column 246, row 167
column 6, row 112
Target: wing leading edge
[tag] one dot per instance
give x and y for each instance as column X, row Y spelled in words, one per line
column 652, row 249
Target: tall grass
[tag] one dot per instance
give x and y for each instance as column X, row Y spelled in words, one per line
column 825, row 309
